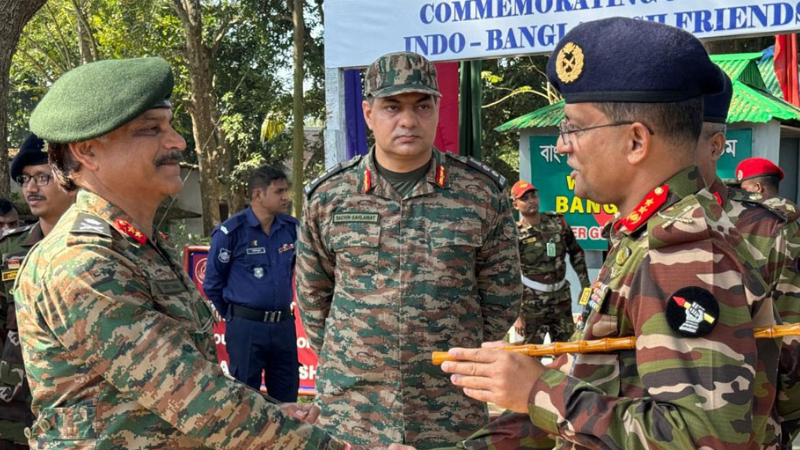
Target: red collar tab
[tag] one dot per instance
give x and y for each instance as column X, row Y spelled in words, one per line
column 718, row 197
column 131, row 231
column 645, row 209
column 367, row 180
column 441, row 175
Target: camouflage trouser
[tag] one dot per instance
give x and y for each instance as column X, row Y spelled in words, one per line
column 510, row 431
column 547, row 312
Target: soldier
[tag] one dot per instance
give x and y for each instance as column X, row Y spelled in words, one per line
column 759, row 175
column 769, row 225
column 249, row 281
column 402, row 252
column 672, row 279
column 47, row 202
column 116, row 338
column 544, row 241
column 9, row 217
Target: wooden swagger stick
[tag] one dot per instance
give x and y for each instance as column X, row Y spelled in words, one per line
column 608, row 345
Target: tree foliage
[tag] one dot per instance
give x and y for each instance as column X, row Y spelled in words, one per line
column 250, row 44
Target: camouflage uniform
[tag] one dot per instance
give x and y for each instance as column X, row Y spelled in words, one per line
column 119, row 350
column 546, row 298
column 383, row 281
column 715, row 391
column 15, row 394
column 770, row 227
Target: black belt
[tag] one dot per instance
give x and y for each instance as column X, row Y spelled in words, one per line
column 261, row 316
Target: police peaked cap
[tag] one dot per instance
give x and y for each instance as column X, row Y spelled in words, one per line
column 94, row 99
column 631, row 60
column 31, row 153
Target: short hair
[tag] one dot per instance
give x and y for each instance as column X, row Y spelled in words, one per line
column 712, row 128
column 680, row 123
column 63, row 164
column 6, row 206
column 262, row 177
column 771, row 181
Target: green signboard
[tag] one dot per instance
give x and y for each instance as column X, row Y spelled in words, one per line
column 550, row 174
column 738, row 148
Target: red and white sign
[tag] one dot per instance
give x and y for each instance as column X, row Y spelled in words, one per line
column 194, row 262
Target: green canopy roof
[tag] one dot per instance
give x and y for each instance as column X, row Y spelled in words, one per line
column 753, row 98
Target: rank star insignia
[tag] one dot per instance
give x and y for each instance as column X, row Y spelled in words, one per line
column 254, row 243
column 131, row 231
column 569, row 63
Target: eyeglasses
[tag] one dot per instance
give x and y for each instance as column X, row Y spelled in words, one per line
column 565, row 129
column 41, row 180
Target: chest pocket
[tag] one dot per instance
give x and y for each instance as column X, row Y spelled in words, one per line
column 455, row 243
column 356, row 244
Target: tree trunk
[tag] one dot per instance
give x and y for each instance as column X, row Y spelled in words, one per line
column 14, row 14
column 213, row 154
column 298, row 113
column 86, row 41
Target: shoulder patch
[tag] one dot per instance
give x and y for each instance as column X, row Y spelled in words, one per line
column 89, row 224
column 341, row 167
column 500, row 180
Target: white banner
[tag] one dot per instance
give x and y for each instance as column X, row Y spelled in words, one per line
column 359, row 31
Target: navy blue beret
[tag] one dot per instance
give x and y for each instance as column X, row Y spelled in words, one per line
column 631, row 60
column 715, row 107
column 31, row 153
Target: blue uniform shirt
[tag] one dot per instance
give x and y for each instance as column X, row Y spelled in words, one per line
column 248, row 267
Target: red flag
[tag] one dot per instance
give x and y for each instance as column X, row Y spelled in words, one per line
column 447, row 131
column 786, row 67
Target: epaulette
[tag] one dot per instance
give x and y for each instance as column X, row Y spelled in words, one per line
column 231, row 224
column 784, row 208
column 500, row 180
column 87, row 228
column 16, row 231
column 677, row 224
column 342, row 166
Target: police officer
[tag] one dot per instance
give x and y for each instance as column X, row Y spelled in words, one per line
column 759, row 175
column 116, row 338
column 48, row 202
column 249, row 281
column 545, row 239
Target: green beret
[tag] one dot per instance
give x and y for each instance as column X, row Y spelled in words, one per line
column 96, row 98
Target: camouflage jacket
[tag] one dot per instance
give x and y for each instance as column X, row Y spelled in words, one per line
column 15, row 394
column 383, row 281
column 770, row 226
column 713, row 390
column 119, row 351
column 550, row 267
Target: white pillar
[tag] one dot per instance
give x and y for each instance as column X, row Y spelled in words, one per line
column 336, row 120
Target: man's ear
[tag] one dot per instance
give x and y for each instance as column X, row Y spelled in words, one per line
column 639, row 147
column 717, row 146
column 367, row 108
column 84, row 152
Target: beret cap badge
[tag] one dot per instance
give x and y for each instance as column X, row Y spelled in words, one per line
column 569, row 63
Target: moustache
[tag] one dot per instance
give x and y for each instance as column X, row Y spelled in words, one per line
column 170, row 158
column 35, row 197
